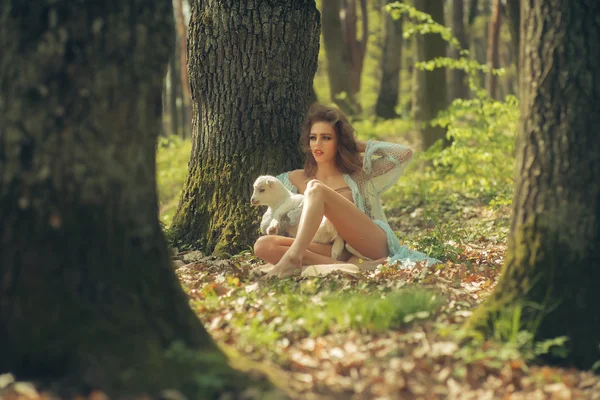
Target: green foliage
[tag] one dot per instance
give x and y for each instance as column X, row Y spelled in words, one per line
column 441, row 242
column 422, row 23
column 381, row 129
column 479, row 163
column 172, row 157
column 511, row 339
column 483, row 133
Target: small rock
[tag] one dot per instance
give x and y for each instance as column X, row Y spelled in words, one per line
column 178, row 264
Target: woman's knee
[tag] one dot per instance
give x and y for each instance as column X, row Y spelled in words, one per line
column 314, row 188
column 262, row 246
column 266, row 247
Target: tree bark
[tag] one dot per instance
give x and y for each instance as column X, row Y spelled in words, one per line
column 391, row 58
column 493, row 58
column 186, row 98
column 458, row 87
column 432, row 87
column 254, row 83
column 553, row 254
column 355, row 48
column 473, row 9
column 513, row 10
column 88, row 296
column 174, row 83
column 338, row 59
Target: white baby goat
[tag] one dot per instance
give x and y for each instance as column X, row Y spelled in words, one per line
column 284, row 210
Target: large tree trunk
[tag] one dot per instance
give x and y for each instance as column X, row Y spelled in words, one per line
column 493, row 58
column 88, row 296
column 391, row 58
column 553, row 253
column 458, row 88
column 254, row 85
column 432, row 86
column 338, row 59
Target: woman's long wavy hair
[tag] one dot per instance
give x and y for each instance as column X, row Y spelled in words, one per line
column 347, row 157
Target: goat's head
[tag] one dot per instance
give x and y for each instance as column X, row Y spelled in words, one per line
column 267, row 191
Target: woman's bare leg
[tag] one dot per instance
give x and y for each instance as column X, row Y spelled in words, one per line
column 272, row 247
column 355, row 227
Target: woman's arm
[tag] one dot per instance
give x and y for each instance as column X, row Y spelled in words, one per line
column 382, row 157
column 361, row 145
column 383, row 162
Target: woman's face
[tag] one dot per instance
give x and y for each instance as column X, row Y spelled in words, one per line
column 323, row 142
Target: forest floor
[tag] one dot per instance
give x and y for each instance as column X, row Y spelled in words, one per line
column 393, row 333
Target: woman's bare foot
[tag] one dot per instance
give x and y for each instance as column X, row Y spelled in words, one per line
column 266, row 267
column 287, row 266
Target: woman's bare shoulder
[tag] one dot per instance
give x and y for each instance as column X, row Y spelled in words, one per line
column 298, row 179
column 297, row 176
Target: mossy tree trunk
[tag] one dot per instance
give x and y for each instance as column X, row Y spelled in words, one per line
column 251, row 68
column 88, row 296
column 430, row 91
column 391, row 58
column 553, row 255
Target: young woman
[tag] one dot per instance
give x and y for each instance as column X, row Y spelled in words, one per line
column 345, row 187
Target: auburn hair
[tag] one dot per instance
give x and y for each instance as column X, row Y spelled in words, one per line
column 347, row 157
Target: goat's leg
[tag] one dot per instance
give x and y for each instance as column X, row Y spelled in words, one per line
column 337, row 248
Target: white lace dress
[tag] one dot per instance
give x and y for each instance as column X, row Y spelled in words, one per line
column 383, row 164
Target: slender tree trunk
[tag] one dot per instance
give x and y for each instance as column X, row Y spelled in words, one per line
column 493, row 58
column 186, row 98
column 513, row 10
column 355, row 48
column 254, row 86
column 473, row 9
column 391, row 58
column 88, row 296
column 174, row 83
column 458, row 88
column 432, row 84
column 338, row 70
column 553, row 254
column 418, row 78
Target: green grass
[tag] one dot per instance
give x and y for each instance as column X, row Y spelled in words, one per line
column 315, row 307
column 172, row 158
